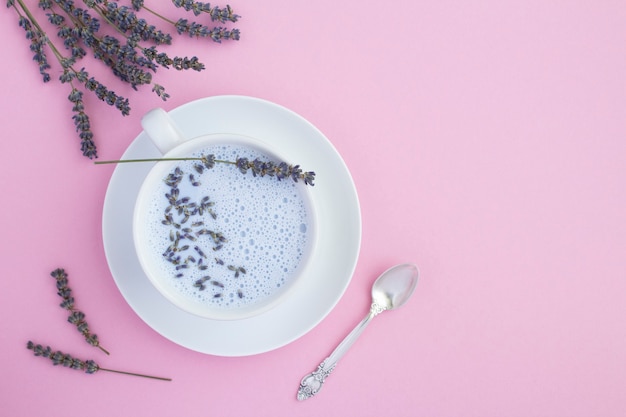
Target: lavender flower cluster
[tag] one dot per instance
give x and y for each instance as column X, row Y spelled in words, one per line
column 60, row 358
column 281, row 170
column 132, row 55
column 76, row 317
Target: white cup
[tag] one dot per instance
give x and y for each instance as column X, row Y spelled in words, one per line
column 216, row 242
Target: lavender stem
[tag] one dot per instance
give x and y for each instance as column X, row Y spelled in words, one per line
column 134, row 374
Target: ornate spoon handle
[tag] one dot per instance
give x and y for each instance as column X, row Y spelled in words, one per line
column 312, row 383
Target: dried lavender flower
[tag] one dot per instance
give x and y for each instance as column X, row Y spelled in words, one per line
column 68, row 361
column 160, row 92
column 208, row 161
column 76, row 317
column 237, row 270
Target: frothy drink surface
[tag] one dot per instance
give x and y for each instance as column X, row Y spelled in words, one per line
column 223, row 238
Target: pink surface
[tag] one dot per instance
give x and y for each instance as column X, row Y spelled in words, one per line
column 486, row 141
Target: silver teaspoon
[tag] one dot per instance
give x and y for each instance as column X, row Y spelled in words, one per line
column 390, row 291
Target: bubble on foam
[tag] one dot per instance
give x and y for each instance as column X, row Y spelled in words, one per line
column 265, row 221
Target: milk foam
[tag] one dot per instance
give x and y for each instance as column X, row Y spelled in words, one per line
column 267, row 225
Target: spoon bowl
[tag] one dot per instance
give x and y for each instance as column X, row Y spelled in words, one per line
column 395, row 286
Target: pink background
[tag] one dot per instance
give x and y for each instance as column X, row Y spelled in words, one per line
column 487, row 143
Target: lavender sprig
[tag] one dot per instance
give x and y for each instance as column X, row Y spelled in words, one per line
column 76, row 317
column 68, row 361
column 280, row 171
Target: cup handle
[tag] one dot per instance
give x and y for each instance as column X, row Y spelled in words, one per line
column 161, row 130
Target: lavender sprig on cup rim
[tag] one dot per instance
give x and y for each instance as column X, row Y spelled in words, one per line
column 76, row 317
column 68, row 361
column 280, row 171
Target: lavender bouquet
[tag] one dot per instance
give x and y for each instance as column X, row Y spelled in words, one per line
column 132, row 53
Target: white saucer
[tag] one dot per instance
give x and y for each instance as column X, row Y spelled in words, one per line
column 338, row 221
